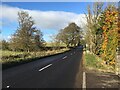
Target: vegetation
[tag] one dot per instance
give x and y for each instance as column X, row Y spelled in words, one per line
column 10, row 58
column 110, row 34
column 101, row 38
column 102, row 32
column 93, row 62
column 26, row 44
column 4, row 45
column 27, row 38
column 51, row 44
column 119, row 30
column 93, row 34
column 70, row 35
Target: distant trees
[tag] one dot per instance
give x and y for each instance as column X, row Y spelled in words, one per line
column 70, row 35
column 27, row 37
column 4, row 45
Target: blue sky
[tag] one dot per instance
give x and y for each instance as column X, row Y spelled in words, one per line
column 77, row 7
column 49, row 16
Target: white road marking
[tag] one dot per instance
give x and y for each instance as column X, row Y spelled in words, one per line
column 8, row 86
column 45, row 67
column 74, row 52
column 71, row 53
column 84, row 81
column 64, row 57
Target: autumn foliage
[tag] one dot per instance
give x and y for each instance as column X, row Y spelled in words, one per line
column 102, row 36
column 109, row 35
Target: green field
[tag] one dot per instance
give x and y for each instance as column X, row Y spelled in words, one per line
column 50, row 44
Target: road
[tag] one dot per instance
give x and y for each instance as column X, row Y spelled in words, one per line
column 59, row 71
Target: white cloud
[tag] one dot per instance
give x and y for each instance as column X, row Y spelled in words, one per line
column 9, row 13
column 44, row 19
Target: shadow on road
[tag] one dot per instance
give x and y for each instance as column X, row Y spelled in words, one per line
column 102, row 80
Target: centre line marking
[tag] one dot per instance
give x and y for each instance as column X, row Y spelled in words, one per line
column 8, row 86
column 45, row 67
column 84, row 81
column 64, row 57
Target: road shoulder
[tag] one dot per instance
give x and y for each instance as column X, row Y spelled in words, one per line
column 97, row 79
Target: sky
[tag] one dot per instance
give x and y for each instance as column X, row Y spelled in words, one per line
column 49, row 17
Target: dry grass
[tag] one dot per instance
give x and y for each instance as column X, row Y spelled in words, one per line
column 10, row 56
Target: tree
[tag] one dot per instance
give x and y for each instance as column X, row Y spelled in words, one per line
column 110, row 34
column 93, row 32
column 103, row 32
column 119, row 28
column 38, row 41
column 5, row 45
column 26, row 35
column 70, row 35
column 14, row 42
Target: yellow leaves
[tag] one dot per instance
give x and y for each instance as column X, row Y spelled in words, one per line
column 104, row 27
column 113, row 13
column 107, row 13
column 108, row 19
column 110, row 30
column 102, row 62
column 112, row 62
column 103, row 46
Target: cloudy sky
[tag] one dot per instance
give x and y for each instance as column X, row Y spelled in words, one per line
column 49, row 17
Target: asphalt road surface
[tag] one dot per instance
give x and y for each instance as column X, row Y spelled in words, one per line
column 58, row 71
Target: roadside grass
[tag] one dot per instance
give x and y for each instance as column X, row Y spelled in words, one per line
column 10, row 58
column 8, row 53
column 93, row 62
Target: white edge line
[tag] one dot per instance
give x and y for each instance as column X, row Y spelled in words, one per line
column 84, row 81
column 45, row 67
column 64, row 57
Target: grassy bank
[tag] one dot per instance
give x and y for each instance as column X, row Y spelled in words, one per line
column 93, row 62
column 10, row 59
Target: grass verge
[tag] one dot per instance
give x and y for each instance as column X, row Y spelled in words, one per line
column 93, row 62
column 32, row 57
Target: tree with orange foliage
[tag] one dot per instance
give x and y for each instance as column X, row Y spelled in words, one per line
column 109, row 27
